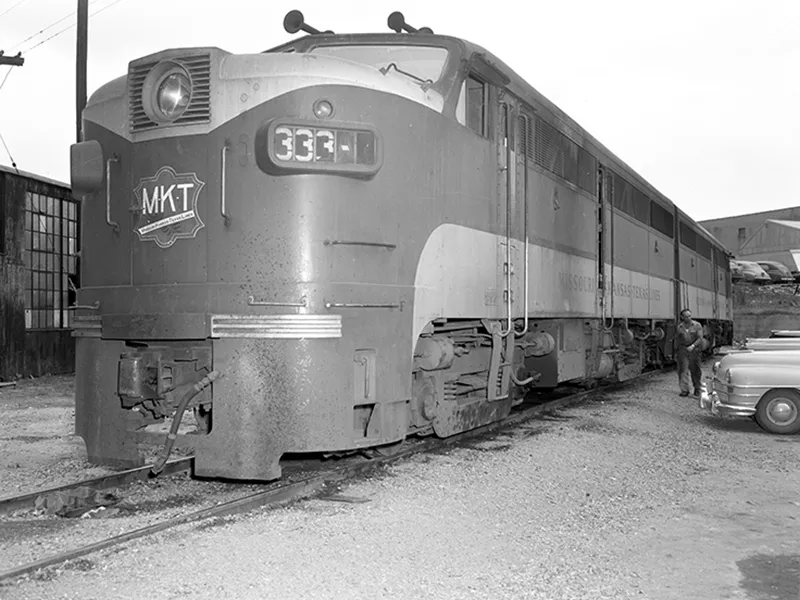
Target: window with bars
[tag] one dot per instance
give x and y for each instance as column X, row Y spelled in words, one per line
column 51, row 228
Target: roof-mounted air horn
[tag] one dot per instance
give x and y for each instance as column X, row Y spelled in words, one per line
column 397, row 22
column 294, row 22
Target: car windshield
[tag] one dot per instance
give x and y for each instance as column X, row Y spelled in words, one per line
column 423, row 63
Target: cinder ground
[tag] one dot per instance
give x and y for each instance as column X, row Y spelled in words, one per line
column 38, row 447
column 636, row 494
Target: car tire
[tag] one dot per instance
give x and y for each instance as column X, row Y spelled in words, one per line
column 778, row 411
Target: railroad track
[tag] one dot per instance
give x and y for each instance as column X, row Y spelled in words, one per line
column 114, row 480
column 278, row 492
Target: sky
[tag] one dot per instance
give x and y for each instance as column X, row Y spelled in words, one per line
column 700, row 97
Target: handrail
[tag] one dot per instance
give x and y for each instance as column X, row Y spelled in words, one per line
column 523, row 123
column 400, row 305
column 508, row 226
column 608, row 239
column 113, row 224
column 358, row 243
column 222, row 178
column 251, row 301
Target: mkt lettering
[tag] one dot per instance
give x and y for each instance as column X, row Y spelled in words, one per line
column 168, row 202
column 154, row 202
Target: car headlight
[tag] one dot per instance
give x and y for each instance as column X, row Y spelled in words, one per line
column 715, row 368
column 728, row 376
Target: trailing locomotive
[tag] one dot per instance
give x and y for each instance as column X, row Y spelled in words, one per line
column 350, row 239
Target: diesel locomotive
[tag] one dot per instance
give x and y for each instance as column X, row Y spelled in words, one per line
column 354, row 238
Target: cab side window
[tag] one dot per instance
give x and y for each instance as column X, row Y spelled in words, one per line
column 471, row 108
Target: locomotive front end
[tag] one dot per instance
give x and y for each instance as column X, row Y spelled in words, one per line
column 221, row 269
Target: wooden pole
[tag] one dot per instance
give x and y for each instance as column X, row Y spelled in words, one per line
column 80, row 104
column 81, row 59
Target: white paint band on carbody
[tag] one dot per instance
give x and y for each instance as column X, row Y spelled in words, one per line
column 244, row 81
column 460, row 275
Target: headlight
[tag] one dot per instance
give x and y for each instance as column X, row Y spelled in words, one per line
column 173, row 95
column 715, row 368
column 728, row 376
column 166, row 92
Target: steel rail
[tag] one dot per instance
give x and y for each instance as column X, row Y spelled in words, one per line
column 317, row 482
column 104, row 482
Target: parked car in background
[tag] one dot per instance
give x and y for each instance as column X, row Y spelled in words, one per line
column 764, row 385
column 753, row 273
column 784, row 333
column 736, row 271
column 777, row 272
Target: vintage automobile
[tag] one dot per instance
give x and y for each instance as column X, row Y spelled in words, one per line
column 784, row 333
column 737, row 272
column 778, row 272
column 753, row 273
column 761, row 382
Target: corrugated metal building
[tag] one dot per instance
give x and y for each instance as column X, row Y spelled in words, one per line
column 733, row 232
column 38, row 274
column 774, row 240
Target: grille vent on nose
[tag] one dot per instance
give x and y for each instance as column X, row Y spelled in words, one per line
column 199, row 109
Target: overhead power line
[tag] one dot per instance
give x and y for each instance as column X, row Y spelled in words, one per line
column 58, row 33
column 41, row 31
column 12, row 8
column 6, row 77
column 13, row 164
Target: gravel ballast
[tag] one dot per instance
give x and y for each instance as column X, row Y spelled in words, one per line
column 634, row 494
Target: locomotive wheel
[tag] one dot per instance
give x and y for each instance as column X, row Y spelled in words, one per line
column 385, row 451
column 778, row 411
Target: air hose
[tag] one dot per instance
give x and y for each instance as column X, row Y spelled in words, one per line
column 176, row 421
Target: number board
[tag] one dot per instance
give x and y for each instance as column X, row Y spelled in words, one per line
column 328, row 145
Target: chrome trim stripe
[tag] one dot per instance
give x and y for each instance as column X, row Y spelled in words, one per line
column 276, row 326
column 758, row 386
column 91, row 326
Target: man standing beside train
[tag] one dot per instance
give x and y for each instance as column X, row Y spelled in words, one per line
column 690, row 341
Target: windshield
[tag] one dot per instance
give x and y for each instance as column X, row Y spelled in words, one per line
column 423, row 62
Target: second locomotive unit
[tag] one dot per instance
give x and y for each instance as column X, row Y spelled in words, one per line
column 350, row 239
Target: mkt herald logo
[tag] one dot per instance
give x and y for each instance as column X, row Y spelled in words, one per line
column 168, row 204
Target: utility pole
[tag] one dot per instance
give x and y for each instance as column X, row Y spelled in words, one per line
column 80, row 104
column 81, row 59
column 12, row 61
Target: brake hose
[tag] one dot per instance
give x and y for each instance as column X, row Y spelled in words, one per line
column 176, row 420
